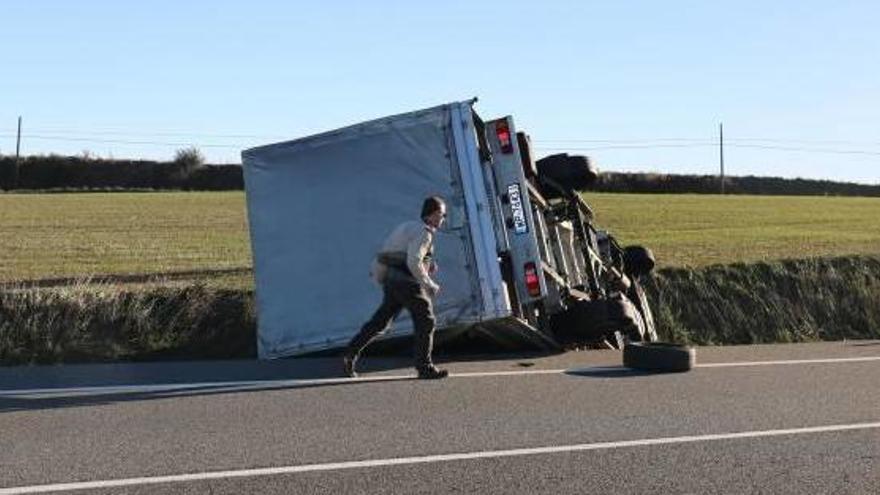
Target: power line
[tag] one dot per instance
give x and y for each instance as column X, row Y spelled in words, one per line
column 62, row 133
column 806, row 141
column 162, row 133
column 614, row 141
column 706, row 140
column 119, row 141
column 807, row 150
column 727, row 142
column 217, row 145
column 621, row 147
column 601, row 144
column 77, row 132
column 624, row 141
column 121, row 131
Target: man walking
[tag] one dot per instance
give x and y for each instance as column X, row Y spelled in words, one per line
column 402, row 267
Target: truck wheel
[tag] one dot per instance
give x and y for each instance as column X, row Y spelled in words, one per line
column 575, row 172
column 659, row 356
column 637, row 295
column 638, row 261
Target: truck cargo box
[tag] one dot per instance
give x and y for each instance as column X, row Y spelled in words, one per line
column 320, row 207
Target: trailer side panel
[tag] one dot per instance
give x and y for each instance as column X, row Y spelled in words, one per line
column 320, row 207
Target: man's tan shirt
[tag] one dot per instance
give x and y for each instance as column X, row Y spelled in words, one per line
column 415, row 239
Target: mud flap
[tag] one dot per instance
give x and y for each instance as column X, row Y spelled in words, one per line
column 515, row 334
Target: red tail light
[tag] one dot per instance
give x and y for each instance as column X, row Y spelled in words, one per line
column 504, row 137
column 533, row 283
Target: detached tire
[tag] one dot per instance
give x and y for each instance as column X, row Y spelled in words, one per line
column 659, row 356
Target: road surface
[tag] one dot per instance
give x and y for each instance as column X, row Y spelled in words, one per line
column 753, row 419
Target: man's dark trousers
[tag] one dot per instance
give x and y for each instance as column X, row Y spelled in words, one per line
column 400, row 291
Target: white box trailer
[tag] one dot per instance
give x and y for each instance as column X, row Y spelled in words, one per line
column 511, row 263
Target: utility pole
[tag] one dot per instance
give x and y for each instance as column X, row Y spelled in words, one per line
column 15, row 172
column 721, row 152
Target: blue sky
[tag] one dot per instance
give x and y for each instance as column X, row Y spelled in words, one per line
column 636, row 85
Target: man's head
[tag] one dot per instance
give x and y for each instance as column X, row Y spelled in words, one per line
column 434, row 211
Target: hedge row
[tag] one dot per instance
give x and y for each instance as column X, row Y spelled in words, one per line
column 711, row 184
column 60, row 172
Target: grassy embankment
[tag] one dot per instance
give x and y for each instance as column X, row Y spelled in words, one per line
column 207, row 312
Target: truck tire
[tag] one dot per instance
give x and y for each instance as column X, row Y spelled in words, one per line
column 574, row 172
column 659, row 356
column 602, row 318
column 638, row 261
column 637, row 295
column 583, row 321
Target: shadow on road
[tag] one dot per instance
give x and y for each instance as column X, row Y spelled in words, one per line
column 100, row 398
column 609, row 372
column 55, row 386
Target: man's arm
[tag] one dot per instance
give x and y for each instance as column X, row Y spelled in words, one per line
column 415, row 254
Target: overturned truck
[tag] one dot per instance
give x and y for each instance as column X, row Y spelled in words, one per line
column 521, row 263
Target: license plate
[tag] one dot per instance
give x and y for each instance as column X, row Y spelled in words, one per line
column 516, row 206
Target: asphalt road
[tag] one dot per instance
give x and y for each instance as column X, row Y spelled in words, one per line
column 758, row 419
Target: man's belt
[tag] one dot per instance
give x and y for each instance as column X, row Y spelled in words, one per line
column 396, row 260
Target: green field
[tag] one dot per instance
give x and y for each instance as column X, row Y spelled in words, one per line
column 80, row 234
column 698, row 230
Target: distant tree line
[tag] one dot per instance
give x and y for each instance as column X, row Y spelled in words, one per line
column 711, row 184
column 189, row 172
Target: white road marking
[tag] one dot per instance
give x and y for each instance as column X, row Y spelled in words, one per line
column 790, row 361
column 399, row 461
column 242, row 386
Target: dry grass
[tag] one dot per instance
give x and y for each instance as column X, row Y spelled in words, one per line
column 793, row 301
column 93, row 322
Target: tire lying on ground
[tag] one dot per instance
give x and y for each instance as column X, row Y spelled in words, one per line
column 659, row 356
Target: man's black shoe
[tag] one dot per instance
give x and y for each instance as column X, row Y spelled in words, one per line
column 432, row 373
column 348, row 362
